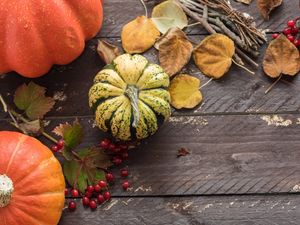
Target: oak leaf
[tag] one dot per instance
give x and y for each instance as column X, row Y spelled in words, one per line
column 168, row 15
column 139, row 35
column 213, row 56
column 107, row 51
column 175, row 51
column 281, row 57
column 266, row 6
column 184, row 91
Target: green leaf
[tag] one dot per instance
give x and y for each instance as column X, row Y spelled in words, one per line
column 167, row 15
column 31, row 99
column 87, row 169
column 72, row 135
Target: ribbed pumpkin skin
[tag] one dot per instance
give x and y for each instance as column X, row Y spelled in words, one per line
column 113, row 106
column 38, row 197
column 36, row 34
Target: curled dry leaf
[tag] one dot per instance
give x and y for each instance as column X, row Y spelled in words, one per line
column 184, row 91
column 139, row 35
column 282, row 57
column 107, row 51
column 266, row 6
column 168, row 15
column 175, row 51
column 213, row 56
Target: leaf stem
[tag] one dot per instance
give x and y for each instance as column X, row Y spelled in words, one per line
column 3, row 103
column 243, row 67
column 145, row 7
column 272, row 85
column 203, row 85
column 49, row 137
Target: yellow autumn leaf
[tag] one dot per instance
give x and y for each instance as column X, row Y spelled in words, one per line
column 213, row 56
column 282, row 57
column 139, row 35
column 184, row 91
column 175, row 51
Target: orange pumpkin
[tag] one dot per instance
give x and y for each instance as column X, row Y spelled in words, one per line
column 37, row 34
column 31, row 182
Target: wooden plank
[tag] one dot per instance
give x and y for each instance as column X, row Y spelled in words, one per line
column 118, row 12
column 232, row 154
column 236, row 92
column 234, row 210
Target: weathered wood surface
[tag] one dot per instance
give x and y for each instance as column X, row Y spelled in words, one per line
column 234, row 210
column 232, row 154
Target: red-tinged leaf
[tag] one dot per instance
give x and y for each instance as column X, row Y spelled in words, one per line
column 31, row 99
column 183, row 152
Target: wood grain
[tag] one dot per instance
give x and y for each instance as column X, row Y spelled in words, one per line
column 230, row 154
column 234, row 210
column 118, row 12
column 236, row 92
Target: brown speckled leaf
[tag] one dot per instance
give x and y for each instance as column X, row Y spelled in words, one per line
column 266, row 6
column 282, row 57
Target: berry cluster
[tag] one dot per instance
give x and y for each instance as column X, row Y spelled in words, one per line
column 58, row 146
column 291, row 32
column 98, row 194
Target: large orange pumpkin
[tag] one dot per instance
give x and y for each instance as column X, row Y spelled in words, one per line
column 31, row 182
column 35, row 34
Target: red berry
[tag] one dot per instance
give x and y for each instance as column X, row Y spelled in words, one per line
column 112, row 147
column 123, row 147
column 291, row 23
column 66, row 191
column 104, row 144
column 60, row 143
column 117, row 149
column 274, row 36
column 100, row 199
column 90, row 189
column 72, row 206
column 297, row 42
column 294, row 31
column 97, row 188
column 75, row 193
column 291, row 38
column 109, row 177
column 102, row 184
column 88, row 194
column 85, row 201
column 287, row 31
column 124, row 173
column 93, row 204
column 125, row 185
column 106, row 195
column 54, row 148
column 117, row 160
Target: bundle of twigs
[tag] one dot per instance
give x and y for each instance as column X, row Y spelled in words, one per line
column 218, row 16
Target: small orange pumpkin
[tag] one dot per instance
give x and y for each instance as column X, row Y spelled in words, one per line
column 38, row 34
column 31, row 182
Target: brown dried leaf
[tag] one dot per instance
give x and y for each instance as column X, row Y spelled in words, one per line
column 266, row 6
column 184, row 91
column 107, row 52
column 175, row 51
column 183, row 152
column 139, row 35
column 213, row 56
column 281, row 57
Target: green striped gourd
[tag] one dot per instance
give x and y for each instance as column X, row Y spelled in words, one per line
column 130, row 97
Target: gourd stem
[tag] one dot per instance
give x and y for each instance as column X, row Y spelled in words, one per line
column 132, row 94
column 6, row 190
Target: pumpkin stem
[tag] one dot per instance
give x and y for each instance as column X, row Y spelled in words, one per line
column 6, row 190
column 132, row 94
